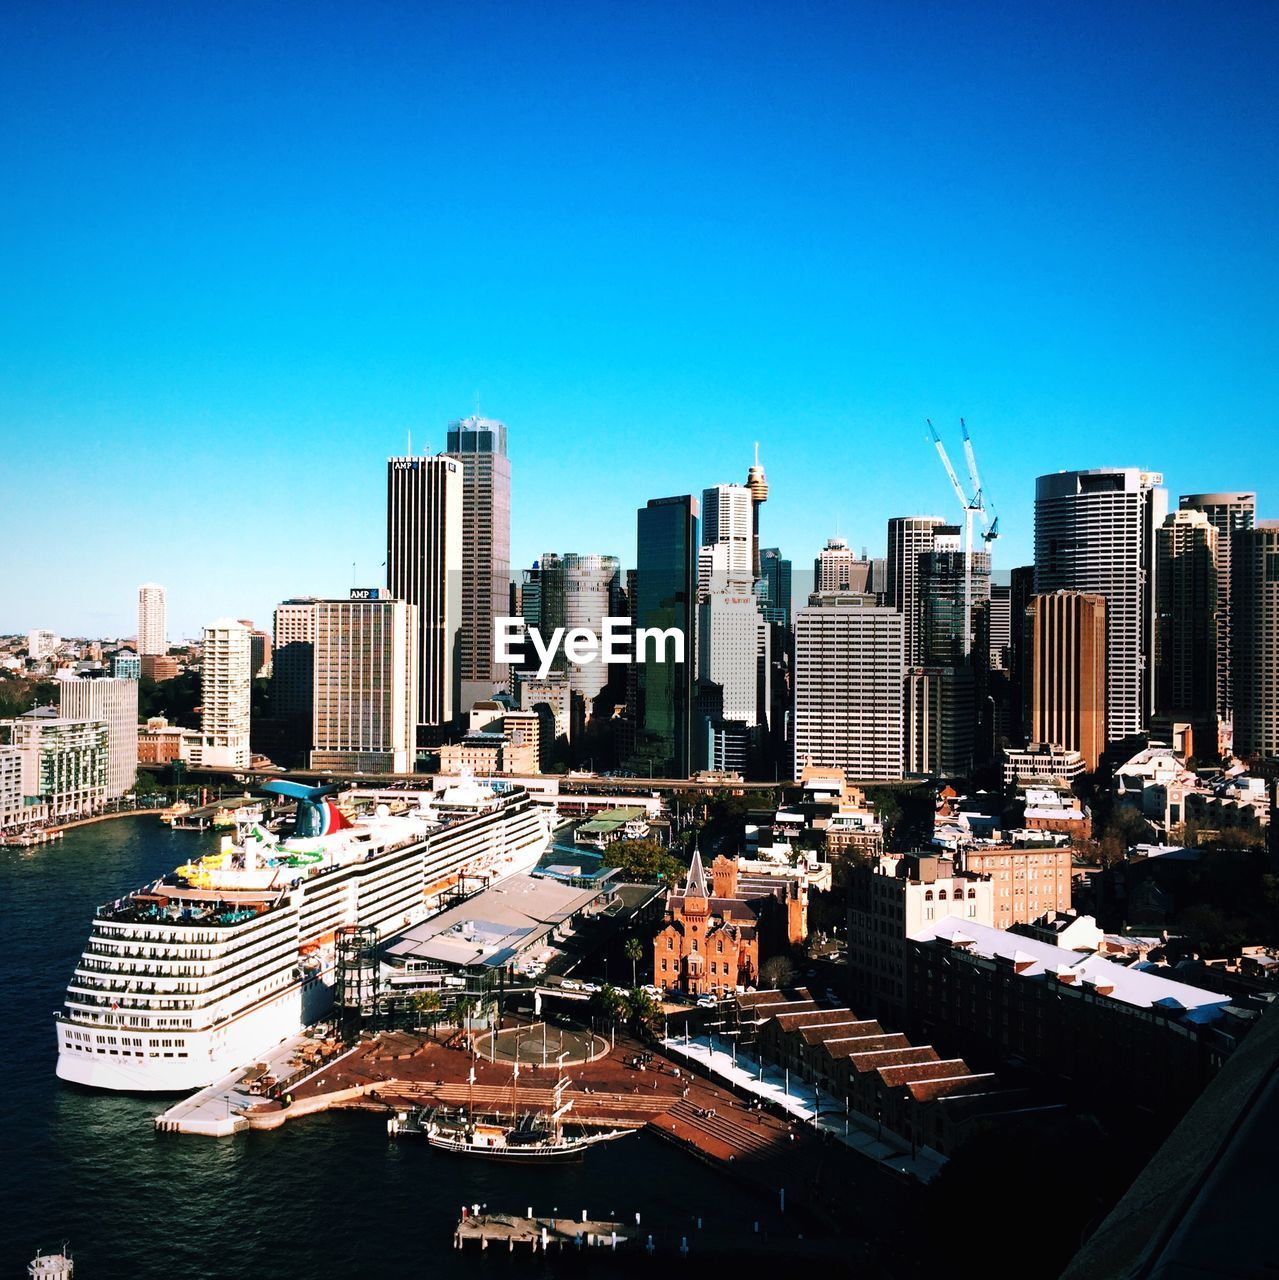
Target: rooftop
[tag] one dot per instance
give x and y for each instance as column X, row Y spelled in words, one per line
column 494, row 926
column 1036, row 959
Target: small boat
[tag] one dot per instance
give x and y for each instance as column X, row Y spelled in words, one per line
column 531, row 1138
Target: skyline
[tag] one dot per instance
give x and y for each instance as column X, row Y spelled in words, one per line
column 235, row 283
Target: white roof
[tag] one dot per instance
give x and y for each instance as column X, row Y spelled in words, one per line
column 1130, row 986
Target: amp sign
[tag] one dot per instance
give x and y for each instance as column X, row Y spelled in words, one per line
column 365, row 593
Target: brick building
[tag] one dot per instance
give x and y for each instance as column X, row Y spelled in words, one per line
column 1106, row 1030
column 877, row 1075
column 1025, row 883
column 710, row 942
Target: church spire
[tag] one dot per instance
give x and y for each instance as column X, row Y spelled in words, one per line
column 695, row 886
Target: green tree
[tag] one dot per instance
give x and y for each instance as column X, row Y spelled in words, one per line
column 609, row 1004
column 634, row 951
column 426, row 1007
column 645, row 861
column 645, row 1012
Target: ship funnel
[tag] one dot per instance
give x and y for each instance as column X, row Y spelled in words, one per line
column 318, row 814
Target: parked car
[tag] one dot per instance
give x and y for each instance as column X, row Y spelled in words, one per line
column 571, row 984
column 707, row 1001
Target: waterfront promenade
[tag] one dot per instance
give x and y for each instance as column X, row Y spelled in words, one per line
column 755, row 1140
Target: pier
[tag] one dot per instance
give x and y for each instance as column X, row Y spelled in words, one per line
column 531, row 1234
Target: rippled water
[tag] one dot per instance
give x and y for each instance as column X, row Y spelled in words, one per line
column 324, row 1196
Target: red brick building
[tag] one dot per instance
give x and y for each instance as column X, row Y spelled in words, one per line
column 710, row 942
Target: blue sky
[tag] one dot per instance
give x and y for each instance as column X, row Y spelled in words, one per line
column 245, row 250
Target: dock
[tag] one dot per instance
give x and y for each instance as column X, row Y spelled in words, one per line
column 532, row 1234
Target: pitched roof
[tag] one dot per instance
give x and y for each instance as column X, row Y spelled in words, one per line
column 695, row 885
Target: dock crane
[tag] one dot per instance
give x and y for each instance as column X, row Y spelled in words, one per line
column 974, row 504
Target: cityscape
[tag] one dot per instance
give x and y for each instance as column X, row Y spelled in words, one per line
column 814, row 840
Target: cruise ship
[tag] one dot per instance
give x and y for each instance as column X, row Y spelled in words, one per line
column 197, row 974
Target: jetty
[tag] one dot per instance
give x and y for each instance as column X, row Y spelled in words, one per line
column 531, row 1234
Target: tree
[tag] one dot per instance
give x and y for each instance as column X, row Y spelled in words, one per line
column 634, row 951
column 645, row 861
column 426, row 1007
column 776, row 971
column 609, row 1004
column 645, row 1011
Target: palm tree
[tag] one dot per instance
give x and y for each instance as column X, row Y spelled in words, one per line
column 634, row 951
column 426, row 1007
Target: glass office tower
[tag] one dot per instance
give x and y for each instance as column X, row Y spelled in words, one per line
column 666, row 597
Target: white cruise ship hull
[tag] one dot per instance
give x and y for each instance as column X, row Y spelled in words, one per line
column 161, row 1006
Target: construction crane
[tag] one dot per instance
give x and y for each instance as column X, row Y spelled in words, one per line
column 974, row 504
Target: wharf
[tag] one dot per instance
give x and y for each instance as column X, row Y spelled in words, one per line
column 533, row 1234
column 228, row 1107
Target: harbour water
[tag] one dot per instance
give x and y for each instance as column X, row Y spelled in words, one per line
column 324, row 1196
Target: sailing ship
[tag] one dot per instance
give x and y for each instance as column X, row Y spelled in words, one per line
column 534, row 1137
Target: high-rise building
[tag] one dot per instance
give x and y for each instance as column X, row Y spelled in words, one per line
column 1020, row 590
column 1095, row 532
column 115, row 703
column 64, row 763
column 1254, row 653
column 849, row 670
column 424, row 500
column 1228, row 513
column 42, row 644
column 292, row 671
column 666, row 600
column 729, row 626
column 943, row 585
column 1000, row 627
column 775, row 593
column 152, row 637
column 225, row 685
column 909, row 537
column 839, row 568
column 366, row 663
column 480, row 445
column 1066, row 642
column 592, row 588
column 729, row 520
column 1186, row 633
column 939, row 720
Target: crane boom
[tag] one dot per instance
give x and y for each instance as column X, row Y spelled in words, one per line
column 971, row 459
column 945, row 461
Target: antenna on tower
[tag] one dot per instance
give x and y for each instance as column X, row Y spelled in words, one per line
column 757, row 453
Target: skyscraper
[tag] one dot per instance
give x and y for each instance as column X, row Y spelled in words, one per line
column 848, row 690
column 1254, row 585
column 224, row 694
column 151, row 621
column 1095, row 532
column 292, row 670
column 729, row 520
column 424, row 501
column 1186, row 633
column 115, row 703
column 943, row 584
column 592, row 587
column 909, row 537
column 775, row 592
column 839, row 568
column 1228, row 513
column 1067, row 644
column 480, row 444
column 366, row 659
column 666, row 598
